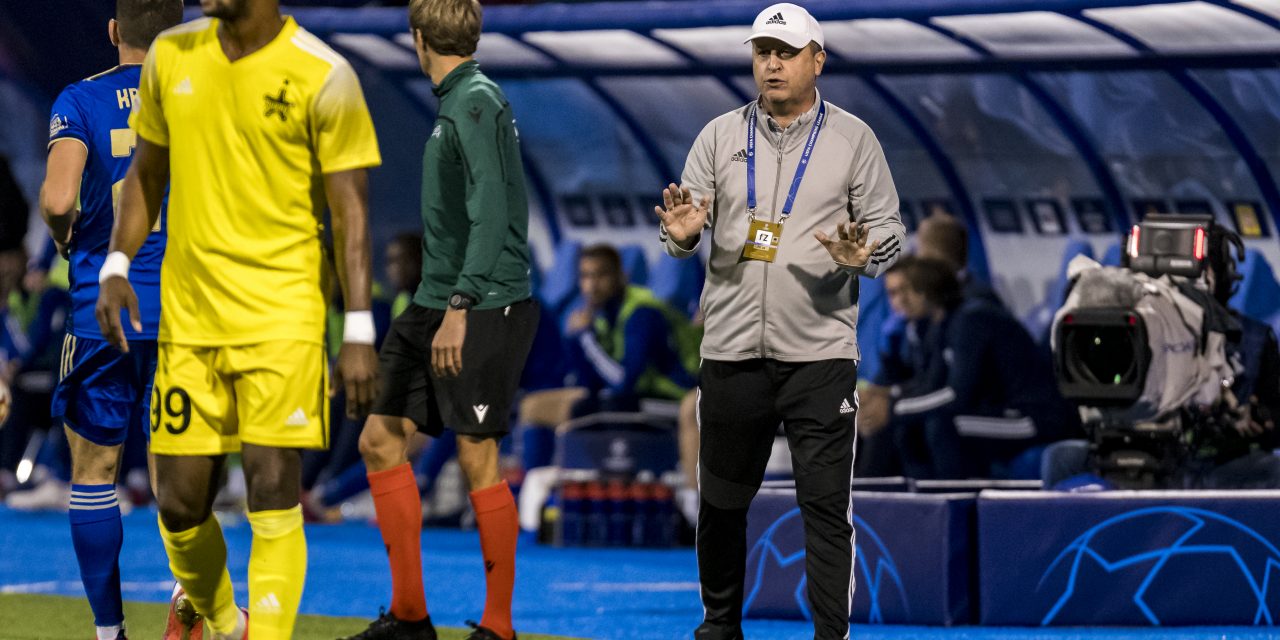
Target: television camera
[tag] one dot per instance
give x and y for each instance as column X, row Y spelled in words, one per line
column 1142, row 350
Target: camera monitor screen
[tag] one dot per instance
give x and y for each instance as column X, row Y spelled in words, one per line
column 1175, row 245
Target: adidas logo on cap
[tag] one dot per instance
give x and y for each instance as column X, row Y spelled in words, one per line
column 740, row 156
column 789, row 23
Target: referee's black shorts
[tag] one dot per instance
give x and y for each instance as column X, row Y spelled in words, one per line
column 478, row 401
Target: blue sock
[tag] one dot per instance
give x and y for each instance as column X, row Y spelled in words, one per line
column 97, row 535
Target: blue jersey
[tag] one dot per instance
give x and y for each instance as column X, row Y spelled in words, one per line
column 95, row 112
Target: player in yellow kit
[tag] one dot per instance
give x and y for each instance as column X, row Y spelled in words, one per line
column 254, row 124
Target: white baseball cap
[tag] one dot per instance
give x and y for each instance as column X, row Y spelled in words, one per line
column 789, row 23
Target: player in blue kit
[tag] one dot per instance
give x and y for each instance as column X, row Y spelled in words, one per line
column 103, row 392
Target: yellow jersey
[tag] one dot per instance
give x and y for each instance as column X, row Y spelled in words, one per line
column 249, row 142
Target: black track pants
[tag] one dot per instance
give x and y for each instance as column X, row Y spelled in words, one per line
column 740, row 407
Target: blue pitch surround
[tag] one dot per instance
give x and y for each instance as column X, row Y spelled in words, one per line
column 583, row 593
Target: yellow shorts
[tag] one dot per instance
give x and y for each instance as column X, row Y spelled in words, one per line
column 208, row 400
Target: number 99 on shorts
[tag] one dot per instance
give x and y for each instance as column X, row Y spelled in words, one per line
column 171, row 408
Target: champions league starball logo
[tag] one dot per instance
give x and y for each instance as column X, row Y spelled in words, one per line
column 775, row 565
column 1139, row 559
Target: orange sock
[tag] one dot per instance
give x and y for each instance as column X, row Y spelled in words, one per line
column 499, row 525
column 399, row 508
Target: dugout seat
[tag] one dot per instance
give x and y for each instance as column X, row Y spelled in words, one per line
column 1040, row 317
column 1259, row 293
column 678, row 282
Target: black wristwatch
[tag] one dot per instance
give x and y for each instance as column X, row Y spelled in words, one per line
column 461, row 301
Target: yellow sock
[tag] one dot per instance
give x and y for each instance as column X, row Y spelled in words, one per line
column 277, row 571
column 198, row 560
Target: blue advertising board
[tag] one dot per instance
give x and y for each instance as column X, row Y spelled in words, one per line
column 1129, row 558
column 912, row 563
column 618, row 444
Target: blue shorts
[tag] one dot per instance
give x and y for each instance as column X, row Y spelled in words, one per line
column 103, row 392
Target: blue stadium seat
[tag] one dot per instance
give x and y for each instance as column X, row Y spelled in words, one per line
column 1259, row 294
column 561, row 282
column 535, row 275
column 873, row 311
column 678, row 282
column 635, row 265
column 1038, row 320
column 1112, row 256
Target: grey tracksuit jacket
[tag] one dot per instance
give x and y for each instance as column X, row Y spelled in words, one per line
column 803, row 306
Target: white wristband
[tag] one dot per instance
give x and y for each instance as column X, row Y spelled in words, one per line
column 357, row 328
column 116, row 264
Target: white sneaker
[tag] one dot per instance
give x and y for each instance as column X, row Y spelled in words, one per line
column 50, row 495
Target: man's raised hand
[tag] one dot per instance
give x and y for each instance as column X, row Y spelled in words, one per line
column 850, row 247
column 682, row 219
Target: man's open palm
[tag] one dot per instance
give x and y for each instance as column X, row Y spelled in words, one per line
column 682, row 219
column 850, row 247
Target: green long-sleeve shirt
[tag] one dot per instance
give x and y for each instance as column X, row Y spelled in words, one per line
column 475, row 213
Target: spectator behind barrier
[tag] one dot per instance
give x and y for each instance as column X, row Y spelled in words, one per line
column 981, row 394
column 403, row 269
column 940, row 237
column 33, row 311
column 944, row 237
column 622, row 345
column 1246, row 458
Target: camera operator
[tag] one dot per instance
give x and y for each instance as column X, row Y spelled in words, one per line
column 1240, row 452
column 1242, row 457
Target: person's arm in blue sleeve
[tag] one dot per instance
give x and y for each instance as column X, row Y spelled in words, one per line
column 579, row 348
column 892, row 348
column 646, row 332
column 646, row 329
column 967, row 337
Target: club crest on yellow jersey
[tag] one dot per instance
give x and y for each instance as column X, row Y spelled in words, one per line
column 278, row 104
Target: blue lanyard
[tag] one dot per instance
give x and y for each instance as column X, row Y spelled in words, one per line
column 804, row 161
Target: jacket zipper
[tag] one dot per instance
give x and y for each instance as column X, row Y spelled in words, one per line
column 764, row 285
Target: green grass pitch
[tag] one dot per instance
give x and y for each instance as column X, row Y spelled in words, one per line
column 40, row 617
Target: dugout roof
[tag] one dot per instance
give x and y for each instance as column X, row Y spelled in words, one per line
column 1026, row 117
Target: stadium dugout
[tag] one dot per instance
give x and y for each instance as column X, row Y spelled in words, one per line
column 1043, row 124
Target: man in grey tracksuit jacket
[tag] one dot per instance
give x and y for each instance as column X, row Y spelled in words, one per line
column 780, row 343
